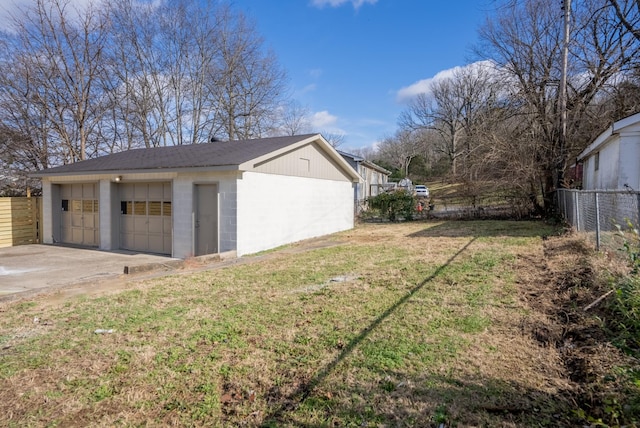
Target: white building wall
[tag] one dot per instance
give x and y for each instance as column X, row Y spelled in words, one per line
column 629, row 161
column 274, row 210
column 108, row 216
column 48, row 214
column 606, row 176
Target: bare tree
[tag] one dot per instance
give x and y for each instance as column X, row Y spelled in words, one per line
column 525, row 39
column 294, row 119
column 456, row 108
column 161, row 57
column 247, row 83
column 628, row 13
column 400, row 149
column 333, row 138
column 59, row 50
column 79, row 82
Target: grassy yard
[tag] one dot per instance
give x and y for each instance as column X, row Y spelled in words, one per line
column 415, row 324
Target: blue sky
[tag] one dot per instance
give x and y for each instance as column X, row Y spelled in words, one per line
column 348, row 60
column 352, row 63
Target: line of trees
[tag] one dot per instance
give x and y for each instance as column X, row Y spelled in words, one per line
column 79, row 82
column 499, row 120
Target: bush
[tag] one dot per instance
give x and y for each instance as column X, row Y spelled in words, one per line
column 394, row 205
column 626, row 305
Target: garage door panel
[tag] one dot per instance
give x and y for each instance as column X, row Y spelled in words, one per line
column 140, row 191
column 77, row 235
column 76, row 220
column 89, row 191
column 90, row 221
column 126, row 241
column 140, row 242
column 126, row 224
column 91, row 237
column 156, row 191
column 155, row 225
column 140, row 224
column 65, row 234
column 156, row 244
column 80, row 221
column 146, row 217
column 76, row 191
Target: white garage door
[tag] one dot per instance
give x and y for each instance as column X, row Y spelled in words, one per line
column 80, row 220
column 145, row 217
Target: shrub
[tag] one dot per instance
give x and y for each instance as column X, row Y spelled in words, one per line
column 394, row 205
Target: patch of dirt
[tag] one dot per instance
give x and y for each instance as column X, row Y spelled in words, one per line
column 558, row 287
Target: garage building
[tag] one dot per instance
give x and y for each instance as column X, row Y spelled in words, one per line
column 237, row 196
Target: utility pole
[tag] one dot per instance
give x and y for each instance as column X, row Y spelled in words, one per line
column 566, row 7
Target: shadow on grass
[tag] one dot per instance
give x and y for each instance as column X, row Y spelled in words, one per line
column 484, row 228
column 298, row 397
column 436, row 400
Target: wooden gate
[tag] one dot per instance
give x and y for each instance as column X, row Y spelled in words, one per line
column 20, row 221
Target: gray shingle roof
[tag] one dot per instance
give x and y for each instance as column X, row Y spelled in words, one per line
column 214, row 154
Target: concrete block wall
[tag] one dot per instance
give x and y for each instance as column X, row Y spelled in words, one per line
column 274, row 210
column 47, row 234
column 228, row 210
column 184, row 206
column 109, row 217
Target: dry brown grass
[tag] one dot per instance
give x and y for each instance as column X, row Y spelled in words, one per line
column 455, row 323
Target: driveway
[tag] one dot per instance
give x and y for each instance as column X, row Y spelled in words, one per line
column 39, row 267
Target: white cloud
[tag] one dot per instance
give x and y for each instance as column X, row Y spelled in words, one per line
column 337, row 3
column 9, row 8
column 424, row 86
column 323, row 119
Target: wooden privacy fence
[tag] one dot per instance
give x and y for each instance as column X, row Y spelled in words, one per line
column 20, row 221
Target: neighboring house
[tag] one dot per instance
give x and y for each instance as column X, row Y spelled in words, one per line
column 612, row 161
column 242, row 196
column 374, row 178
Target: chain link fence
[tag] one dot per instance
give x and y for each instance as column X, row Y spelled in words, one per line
column 599, row 213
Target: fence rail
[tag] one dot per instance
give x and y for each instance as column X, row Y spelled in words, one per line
column 19, row 221
column 599, row 213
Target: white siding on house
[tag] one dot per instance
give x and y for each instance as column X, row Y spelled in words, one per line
column 274, row 210
column 617, row 151
column 630, row 161
column 606, row 176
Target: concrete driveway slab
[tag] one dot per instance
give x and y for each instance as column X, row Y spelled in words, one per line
column 38, row 267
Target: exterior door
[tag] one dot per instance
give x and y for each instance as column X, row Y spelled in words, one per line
column 145, row 217
column 80, row 220
column 206, row 218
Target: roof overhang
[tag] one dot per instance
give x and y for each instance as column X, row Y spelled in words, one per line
column 604, row 138
column 220, row 168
